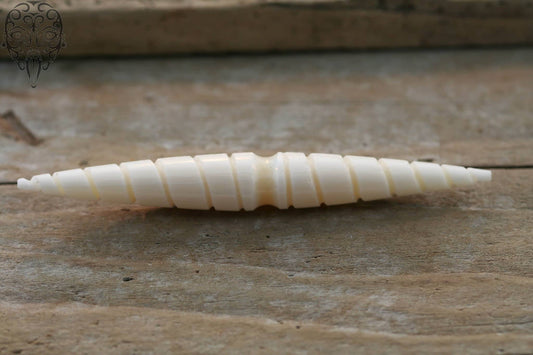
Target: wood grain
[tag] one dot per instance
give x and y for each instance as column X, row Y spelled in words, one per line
column 447, row 272
column 148, row 27
column 466, row 108
column 12, row 127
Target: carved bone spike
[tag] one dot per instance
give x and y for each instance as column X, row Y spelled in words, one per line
column 247, row 181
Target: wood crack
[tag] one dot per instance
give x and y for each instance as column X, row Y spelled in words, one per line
column 12, row 127
column 503, row 167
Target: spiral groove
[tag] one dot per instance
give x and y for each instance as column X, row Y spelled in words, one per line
column 247, row 181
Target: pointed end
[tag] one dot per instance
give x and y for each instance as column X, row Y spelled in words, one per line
column 481, row 175
column 27, row 185
column 33, row 69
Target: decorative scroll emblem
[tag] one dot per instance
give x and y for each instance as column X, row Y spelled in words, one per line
column 33, row 36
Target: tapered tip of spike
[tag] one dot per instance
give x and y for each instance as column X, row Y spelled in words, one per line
column 481, row 175
column 24, row 184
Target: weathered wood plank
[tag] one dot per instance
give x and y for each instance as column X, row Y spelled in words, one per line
column 470, row 107
column 99, row 329
column 169, row 27
column 437, row 273
column 434, row 269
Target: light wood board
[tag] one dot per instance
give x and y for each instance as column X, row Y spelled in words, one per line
column 447, row 272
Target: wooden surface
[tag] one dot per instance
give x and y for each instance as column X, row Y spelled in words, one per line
column 437, row 273
column 148, row 27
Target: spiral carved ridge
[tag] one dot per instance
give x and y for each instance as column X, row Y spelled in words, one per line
column 247, row 181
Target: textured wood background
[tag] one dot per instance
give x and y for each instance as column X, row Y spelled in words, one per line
column 148, row 27
column 437, row 273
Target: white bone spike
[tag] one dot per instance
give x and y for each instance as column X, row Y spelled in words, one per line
column 247, row 181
